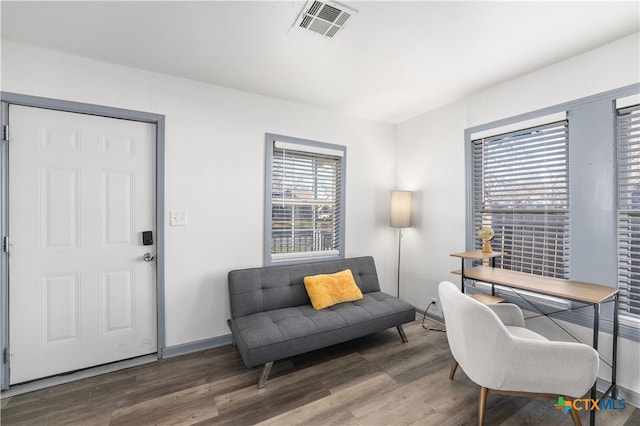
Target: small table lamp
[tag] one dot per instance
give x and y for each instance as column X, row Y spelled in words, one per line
column 486, row 235
column 400, row 217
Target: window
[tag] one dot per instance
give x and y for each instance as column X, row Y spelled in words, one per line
column 305, row 200
column 520, row 184
column 628, row 125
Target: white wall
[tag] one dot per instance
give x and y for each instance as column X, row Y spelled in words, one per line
column 430, row 160
column 215, row 149
column 610, row 67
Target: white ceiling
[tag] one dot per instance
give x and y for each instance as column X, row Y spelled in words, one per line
column 394, row 60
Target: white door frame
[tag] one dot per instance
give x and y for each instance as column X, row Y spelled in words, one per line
column 6, row 99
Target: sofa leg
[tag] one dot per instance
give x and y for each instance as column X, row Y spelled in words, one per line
column 402, row 335
column 265, row 374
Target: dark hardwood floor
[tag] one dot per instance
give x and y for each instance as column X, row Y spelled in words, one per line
column 376, row 380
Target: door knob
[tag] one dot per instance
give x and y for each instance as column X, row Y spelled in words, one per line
column 148, row 257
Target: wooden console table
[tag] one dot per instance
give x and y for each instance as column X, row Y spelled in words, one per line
column 591, row 294
column 479, row 255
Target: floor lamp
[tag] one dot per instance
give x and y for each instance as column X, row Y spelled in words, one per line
column 400, row 217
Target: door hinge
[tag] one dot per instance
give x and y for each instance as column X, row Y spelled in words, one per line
column 5, row 356
column 5, row 133
column 5, row 244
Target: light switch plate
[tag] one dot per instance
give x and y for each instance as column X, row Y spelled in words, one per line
column 177, row 218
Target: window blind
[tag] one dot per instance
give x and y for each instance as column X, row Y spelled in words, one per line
column 521, row 189
column 628, row 129
column 306, row 191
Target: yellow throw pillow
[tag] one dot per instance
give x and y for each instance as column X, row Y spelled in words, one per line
column 329, row 289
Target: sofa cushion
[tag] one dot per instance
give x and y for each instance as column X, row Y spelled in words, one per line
column 281, row 333
column 326, row 290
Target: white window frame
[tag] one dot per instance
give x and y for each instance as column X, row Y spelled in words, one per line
column 308, row 149
column 628, row 187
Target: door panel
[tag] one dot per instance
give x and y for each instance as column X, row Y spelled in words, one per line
column 117, row 208
column 118, row 301
column 61, row 205
column 60, row 308
column 81, row 192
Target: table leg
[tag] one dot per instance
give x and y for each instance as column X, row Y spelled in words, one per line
column 614, row 363
column 462, row 277
column 493, row 287
column 596, row 326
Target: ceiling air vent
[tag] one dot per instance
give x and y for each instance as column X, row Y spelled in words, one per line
column 324, row 17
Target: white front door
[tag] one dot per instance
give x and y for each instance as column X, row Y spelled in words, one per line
column 81, row 192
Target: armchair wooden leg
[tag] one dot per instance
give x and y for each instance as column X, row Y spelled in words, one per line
column 483, row 405
column 454, row 367
column 575, row 417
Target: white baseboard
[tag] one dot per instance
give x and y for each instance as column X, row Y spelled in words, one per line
column 197, row 346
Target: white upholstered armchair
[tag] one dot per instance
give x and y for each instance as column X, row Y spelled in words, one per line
column 491, row 345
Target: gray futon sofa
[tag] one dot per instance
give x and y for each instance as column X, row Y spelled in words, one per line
column 272, row 317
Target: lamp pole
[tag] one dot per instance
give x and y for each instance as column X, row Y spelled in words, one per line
column 400, row 217
column 399, row 249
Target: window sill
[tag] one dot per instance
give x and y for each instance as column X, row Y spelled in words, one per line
column 295, row 258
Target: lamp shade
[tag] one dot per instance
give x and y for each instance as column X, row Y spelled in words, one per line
column 400, row 209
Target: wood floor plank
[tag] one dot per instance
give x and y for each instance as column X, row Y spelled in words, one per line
column 85, row 403
column 281, row 393
column 350, row 376
column 334, row 408
column 185, row 407
column 633, row 418
column 4, row 402
column 412, row 403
